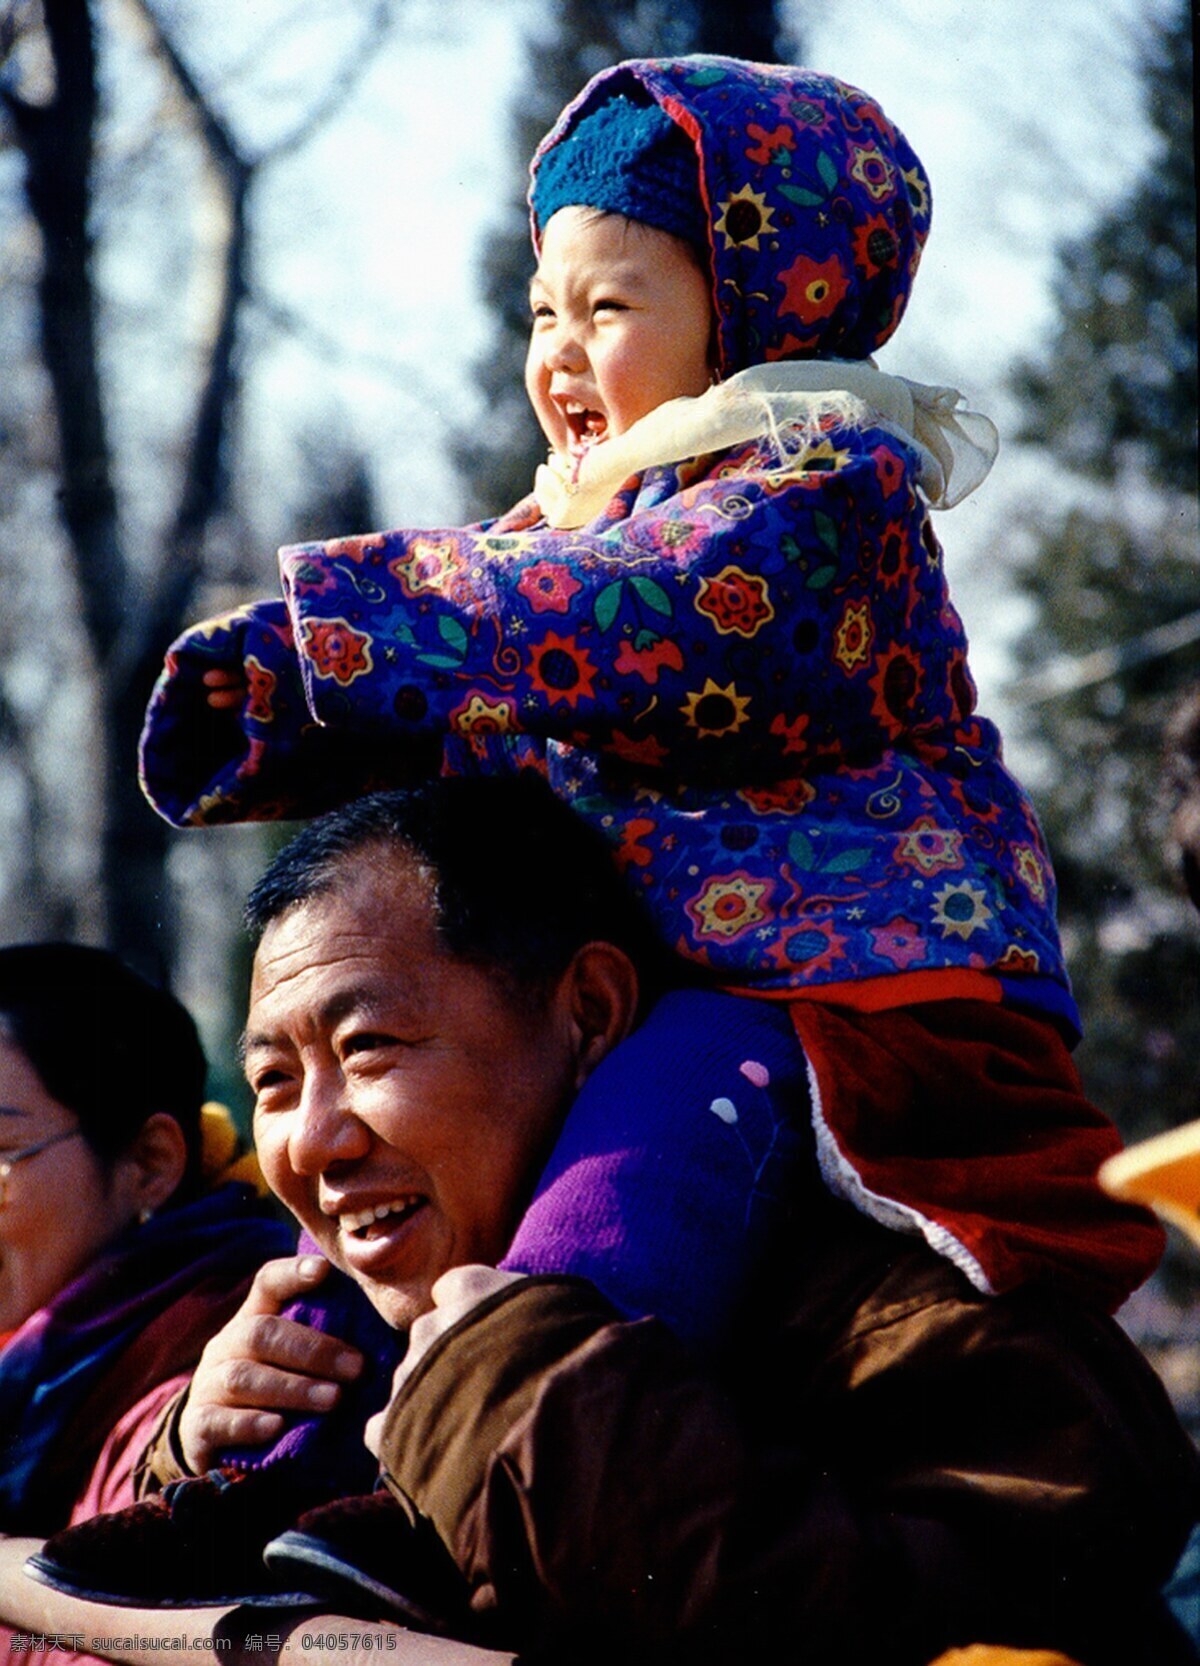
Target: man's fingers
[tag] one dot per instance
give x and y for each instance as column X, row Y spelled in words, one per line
column 212, row 1430
column 262, row 1365
column 248, row 1383
column 269, row 1339
column 276, row 1283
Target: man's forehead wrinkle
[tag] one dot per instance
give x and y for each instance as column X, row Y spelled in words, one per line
column 331, row 977
column 370, row 1000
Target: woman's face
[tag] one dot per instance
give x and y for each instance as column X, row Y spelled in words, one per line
column 59, row 1208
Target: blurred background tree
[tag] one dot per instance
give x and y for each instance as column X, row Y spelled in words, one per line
column 125, row 420
column 1114, row 582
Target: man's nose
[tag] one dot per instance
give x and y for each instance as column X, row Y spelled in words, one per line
column 325, row 1130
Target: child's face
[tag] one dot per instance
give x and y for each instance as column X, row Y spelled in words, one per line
column 621, row 322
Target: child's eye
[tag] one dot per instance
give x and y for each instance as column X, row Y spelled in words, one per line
column 608, row 304
column 540, row 310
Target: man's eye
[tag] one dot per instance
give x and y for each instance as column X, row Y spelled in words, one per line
column 265, row 1080
column 367, row 1041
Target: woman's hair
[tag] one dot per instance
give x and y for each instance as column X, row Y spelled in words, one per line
column 105, row 1042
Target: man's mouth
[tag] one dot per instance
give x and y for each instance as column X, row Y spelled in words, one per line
column 366, row 1225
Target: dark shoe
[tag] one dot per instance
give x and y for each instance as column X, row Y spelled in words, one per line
column 197, row 1544
column 373, row 1555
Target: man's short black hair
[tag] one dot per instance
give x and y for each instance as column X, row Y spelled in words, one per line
column 520, row 881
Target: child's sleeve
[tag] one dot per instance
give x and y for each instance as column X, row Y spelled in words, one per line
column 228, row 735
column 684, row 627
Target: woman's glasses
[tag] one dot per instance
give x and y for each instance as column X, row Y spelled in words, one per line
column 10, row 1159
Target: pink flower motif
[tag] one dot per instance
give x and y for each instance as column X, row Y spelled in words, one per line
column 548, row 586
column 889, row 468
column 646, row 663
column 754, row 1072
column 899, row 942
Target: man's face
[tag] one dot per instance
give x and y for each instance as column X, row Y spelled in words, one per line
column 404, row 1101
column 621, row 322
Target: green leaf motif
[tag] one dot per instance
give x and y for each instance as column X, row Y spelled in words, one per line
column 796, row 194
column 644, row 640
column 821, row 578
column 800, row 849
column 444, row 662
column 826, row 529
column 652, row 594
column 453, row 635
column 847, row 861
column 827, row 169
column 608, row 603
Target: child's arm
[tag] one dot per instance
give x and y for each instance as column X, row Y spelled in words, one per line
column 695, row 624
column 229, row 737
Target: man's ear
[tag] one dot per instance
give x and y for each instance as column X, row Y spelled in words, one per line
column 598, row 996
column 152, row 1168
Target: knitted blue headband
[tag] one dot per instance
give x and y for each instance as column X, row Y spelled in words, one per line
column 630, row 159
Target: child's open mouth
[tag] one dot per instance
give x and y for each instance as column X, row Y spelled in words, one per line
column 587, row 427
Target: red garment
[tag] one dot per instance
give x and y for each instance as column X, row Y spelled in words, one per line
column 109, row 1487
column 965, row 1121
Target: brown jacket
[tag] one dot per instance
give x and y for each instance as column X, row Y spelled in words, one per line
column 883, row 1465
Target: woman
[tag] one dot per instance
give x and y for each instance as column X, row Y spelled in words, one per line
column 119, row 1257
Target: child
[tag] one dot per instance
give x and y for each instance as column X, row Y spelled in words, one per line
column 720, row 629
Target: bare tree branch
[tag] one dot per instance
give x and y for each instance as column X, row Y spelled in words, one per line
column 203, row 487
column 56, row 141
column 323, row 344
column 341, row 82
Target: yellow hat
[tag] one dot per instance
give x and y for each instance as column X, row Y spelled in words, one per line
column 222, row 1157
column 1163, row 1172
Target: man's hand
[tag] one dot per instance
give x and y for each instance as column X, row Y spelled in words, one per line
column 453, row 1295
column 261, row 1366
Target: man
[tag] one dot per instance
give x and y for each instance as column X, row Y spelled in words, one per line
column 881, row 1462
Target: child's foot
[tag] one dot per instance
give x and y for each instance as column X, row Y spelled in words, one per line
column 371, row 1554
column 197, row 1544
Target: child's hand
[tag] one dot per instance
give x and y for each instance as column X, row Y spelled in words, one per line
column 261, row 1366
column 226, row 689
column 454, row 1295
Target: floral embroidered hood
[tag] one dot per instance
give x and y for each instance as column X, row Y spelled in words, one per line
column 818, row 207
